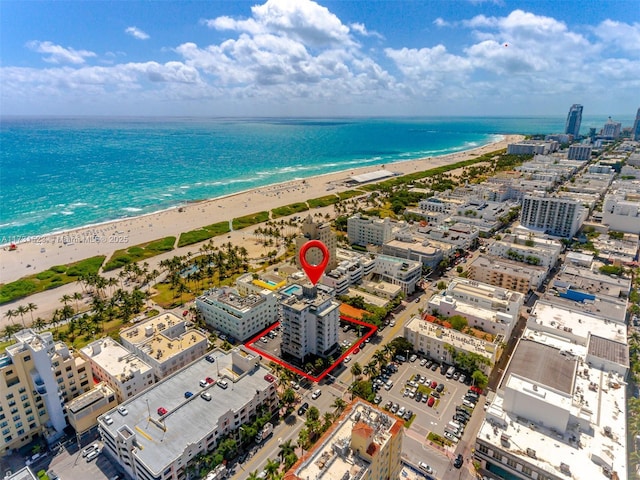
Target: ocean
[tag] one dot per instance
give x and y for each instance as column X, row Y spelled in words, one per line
column 63, row 173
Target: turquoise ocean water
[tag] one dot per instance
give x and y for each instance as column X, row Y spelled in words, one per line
column 62, row 173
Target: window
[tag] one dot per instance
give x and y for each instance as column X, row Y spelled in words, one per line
column 27, row 358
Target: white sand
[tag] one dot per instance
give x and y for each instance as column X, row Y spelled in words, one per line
column 41, row 253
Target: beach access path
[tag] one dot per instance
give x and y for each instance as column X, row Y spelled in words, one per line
column 36, row 256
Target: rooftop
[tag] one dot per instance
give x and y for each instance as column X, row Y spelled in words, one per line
column 113, row 358
column 615, row 352
column 542, row 364
column 332, row 458
column 162, row 439
column 92, row 396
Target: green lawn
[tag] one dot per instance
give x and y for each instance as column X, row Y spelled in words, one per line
column 248, row 220
column 323, row 201
column 204, row 233
column 289, row 209
column 53, row 277
column 120, row 258
column 350, row 194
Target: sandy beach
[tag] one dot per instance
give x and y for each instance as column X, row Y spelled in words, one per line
column 39, row 253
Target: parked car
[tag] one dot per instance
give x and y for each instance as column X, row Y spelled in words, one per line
column 433, row 384
column 431, row 401
column 407, row 415
column 209, row 380
column 388, row 405
column 210, row 358
column 93, row 455
column 108, row 420
column 435, row 394
column 162, row 411
column 459, row 461
column 425, row 468
column 418, row 396
column 206, row 396
column 377, row 399
column 401, row 411
column 413, row 358
column 303, row 408
column 462, row 378
column 423, row 362
column 123, row 410
column 451, row 437
column 188, row 394
column 440, row 388
column 316, row 394
column 434, row 367
column 90, row 449
column 394, row 408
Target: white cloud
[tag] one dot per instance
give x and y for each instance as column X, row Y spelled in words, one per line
column 621, row 35
column 135, row 32
column 59, row 54
column 361, row 29
column 440, row 22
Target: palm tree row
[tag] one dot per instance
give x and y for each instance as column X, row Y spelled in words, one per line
column 21, row 310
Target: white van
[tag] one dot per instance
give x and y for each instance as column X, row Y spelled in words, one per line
column 455, row 425
column 451, row 371
column 223, row 383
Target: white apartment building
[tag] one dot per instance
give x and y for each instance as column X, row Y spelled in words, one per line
column 553, row 215
column 560, row 411
column 111, row 363
column 489, row 308
column 363, row 230
column 398, row 271
column 579, row 152
column 532, row 147
column 310, row 322
column 621, row 211
column 37, row 377
column 527, row 248
column 165, row 429
column 365, row 443
column 460, row 235
column 312, row 230
column 430, row 339
column 239, row 316
column 427, row 252
column 166, row 342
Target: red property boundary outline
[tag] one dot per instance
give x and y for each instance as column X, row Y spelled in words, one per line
column 372, row 329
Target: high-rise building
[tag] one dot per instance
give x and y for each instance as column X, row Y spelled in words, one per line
column 636, row 127
column 310, row 323
column 611, row 129
column 557, row 216
column 574, row 119
column 38, row 375
column 318, row 231
column 363, row 230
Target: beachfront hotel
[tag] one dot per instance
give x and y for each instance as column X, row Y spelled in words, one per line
column 166, row 342
column 322, row 231
column 162, row 431
column 38, row 375
column 365, row 443
column 125, row 372
column 310, row 321
column 239, row 316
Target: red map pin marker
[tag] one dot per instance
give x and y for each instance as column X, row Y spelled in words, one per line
column 314, row 272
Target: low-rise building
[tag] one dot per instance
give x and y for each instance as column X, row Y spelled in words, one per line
column 365, row 443
column 486, row 307
column 111, row 363
column 398, row 271
column 559, row 412
column 83, row 411
column 531, row 249
column 37, row 376
column 161, row 433
column 506, row 273
column 428, row 252
column 434, row 340
column 621, row 211
column 165, row 342
column 238, row 316
column 532, row 147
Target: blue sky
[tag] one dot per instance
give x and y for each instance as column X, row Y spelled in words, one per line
column 326, row 58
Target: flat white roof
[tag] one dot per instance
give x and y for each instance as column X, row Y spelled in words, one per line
column 371, row 176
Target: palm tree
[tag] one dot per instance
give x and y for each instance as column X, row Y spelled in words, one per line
column 31, row 307
column 39, row 324
column 356, row 370
column 77, row 296
column 271, row 467
column 286, row 448
column 65, row 298
column 10, row 314
column 339, row 404
column 21, row 311
column 253, row 476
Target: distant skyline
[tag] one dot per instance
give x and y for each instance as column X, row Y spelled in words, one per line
column 326, row 58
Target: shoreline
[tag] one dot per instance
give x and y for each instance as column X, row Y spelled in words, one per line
column 35, row 254
column 24, row 239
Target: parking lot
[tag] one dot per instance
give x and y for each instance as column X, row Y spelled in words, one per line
column 70, row 464
column 427, row 419
column 270, row 343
